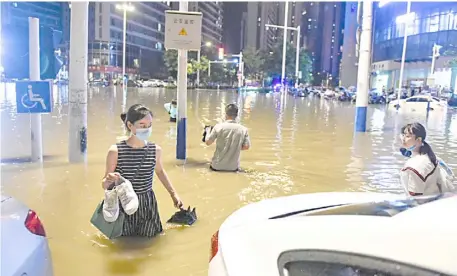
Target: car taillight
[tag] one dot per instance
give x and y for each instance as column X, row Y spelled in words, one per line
column 214, row 245
column 34, row 225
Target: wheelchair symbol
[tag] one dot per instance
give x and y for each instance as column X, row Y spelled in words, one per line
column 30, row 100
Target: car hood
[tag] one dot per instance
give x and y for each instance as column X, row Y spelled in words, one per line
column 266, row 209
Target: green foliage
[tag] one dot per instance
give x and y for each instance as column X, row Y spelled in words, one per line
column 260, row 64
column 453, row 62
column 171, row 62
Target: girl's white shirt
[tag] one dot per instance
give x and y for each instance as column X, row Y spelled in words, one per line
column 420, row 176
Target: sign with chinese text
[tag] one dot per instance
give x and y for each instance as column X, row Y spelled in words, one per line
column 183, row 30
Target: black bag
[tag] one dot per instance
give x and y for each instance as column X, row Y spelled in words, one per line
column 184, row 217
column 204, row 132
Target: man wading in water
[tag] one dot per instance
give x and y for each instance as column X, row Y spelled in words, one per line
column 231, row 138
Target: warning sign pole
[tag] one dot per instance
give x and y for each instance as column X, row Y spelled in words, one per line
column 182, row 94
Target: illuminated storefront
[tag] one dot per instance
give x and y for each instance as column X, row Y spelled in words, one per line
column 105, row 60
column 431, row 23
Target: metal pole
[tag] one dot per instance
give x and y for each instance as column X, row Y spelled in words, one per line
column 432, row 69
column 198, row 70
column 240, row 66
column 182, row 97
column 124, row 45
column 297, row 57
column 283, row 69
column 363, row 74
column 79, row 26
column 403, row 55
column 372, row 44
column 209, row 69
column 34, row 67
column 1, row 46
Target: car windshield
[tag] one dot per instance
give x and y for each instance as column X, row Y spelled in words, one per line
column 387, row 208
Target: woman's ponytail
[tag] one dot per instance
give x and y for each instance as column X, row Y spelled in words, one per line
column 124, row 120
column 123, row 116
column 426, row 149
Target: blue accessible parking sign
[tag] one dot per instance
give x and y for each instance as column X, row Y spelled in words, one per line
column 34, row 96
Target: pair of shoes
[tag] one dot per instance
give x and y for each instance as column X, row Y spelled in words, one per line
column 123, row 192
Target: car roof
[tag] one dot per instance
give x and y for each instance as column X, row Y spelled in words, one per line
column 423, row 236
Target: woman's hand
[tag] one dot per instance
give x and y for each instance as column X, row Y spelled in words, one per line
column 110, row 179
column 176, row 201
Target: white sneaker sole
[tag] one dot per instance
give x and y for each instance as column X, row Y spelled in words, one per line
column 132, row 206
column 111, row 214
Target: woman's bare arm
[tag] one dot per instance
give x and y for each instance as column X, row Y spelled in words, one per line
column 161, row 173
column 111, row 163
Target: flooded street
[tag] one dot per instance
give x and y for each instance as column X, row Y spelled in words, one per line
column 299, row 145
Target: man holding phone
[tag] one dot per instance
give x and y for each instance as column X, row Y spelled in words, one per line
column 231, row 138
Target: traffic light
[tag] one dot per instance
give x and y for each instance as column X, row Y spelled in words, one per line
column 221, row 53
column 15, row 52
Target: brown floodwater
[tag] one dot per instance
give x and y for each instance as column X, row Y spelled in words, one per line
column 299, row 145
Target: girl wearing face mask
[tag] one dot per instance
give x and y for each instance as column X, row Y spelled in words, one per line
column 421, row 174
column 136, row 159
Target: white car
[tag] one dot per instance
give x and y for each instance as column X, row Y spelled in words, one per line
column 419, row 103
column 338, row 234
column 24, row 246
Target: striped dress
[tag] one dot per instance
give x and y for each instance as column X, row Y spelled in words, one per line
column 146, row 221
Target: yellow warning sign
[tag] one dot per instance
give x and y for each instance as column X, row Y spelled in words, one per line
column 183, row 32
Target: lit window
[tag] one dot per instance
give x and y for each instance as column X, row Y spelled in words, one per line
column 159, row 27
column 258, row 19
column 333, row 25
column 15, row 4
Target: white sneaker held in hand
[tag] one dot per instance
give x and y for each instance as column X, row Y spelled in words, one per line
column 127, row 196
column 111, row 206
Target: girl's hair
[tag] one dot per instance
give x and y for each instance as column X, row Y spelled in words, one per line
column 135, row 113
column 419, row 131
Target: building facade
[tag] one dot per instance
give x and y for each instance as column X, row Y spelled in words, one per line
column 145, row 38
column 322, row 29
column 294, row 19
column 254, row 33
column 432, row 23
column 14, row 36
column 349, row 59
column 17, row 13
column 212, row 20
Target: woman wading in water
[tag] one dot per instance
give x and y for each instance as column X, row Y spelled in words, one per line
column 136, row 159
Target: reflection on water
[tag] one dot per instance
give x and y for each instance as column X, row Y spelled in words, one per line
column 299, row 145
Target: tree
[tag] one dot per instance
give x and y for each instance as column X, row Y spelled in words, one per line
column 273, row 62
column 170, row 59
column 254, row 61
column 171, row 63
column 269, row 63
column 305, row 65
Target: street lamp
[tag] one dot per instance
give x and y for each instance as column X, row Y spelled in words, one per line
column 435, row 53
column 402, row 19
column 297, row 54
column 207, row 44
column 126, row 8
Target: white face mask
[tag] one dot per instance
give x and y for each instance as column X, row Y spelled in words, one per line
column 143, row 133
